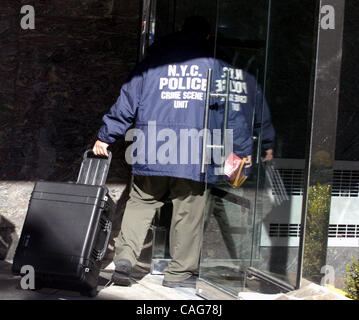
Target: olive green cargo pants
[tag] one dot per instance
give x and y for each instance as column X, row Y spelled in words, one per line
column 147, row 194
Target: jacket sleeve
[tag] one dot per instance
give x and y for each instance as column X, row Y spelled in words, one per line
column 123, row 113
column 242, row 142
column 263, row 122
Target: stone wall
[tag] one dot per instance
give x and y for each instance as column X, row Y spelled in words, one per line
column 57, row 81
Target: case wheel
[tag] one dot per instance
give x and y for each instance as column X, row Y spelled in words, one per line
column 89, row 293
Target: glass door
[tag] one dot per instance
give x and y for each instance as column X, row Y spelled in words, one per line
column 252, row 224
column 237, row 107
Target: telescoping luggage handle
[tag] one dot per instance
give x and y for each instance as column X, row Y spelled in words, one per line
column 94, row 169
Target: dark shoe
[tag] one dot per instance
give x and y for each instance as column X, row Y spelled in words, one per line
column 121, row 276
column 186, row 283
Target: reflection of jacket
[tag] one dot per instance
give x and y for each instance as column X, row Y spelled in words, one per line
column 164, row 100
column 263, row 124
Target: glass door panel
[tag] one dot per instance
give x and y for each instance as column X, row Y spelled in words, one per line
column 232, row 227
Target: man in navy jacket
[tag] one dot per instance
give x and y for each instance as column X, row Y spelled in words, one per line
column 161, row 109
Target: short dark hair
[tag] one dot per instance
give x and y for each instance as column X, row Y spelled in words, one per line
column 197, row 24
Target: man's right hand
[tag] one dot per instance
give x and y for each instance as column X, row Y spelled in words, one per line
column 100, row 148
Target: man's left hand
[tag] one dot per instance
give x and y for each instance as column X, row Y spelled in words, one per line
column 268, row 156
column 248, row 162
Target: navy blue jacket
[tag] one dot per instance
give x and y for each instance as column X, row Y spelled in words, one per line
column 163, row 104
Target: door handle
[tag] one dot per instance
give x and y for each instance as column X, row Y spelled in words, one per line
column 209, row 95
column 225, row 119
column 206, row 119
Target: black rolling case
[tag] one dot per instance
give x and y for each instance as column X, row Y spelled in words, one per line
column 67, row 228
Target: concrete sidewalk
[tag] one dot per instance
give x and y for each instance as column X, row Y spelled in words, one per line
column 148, row 288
